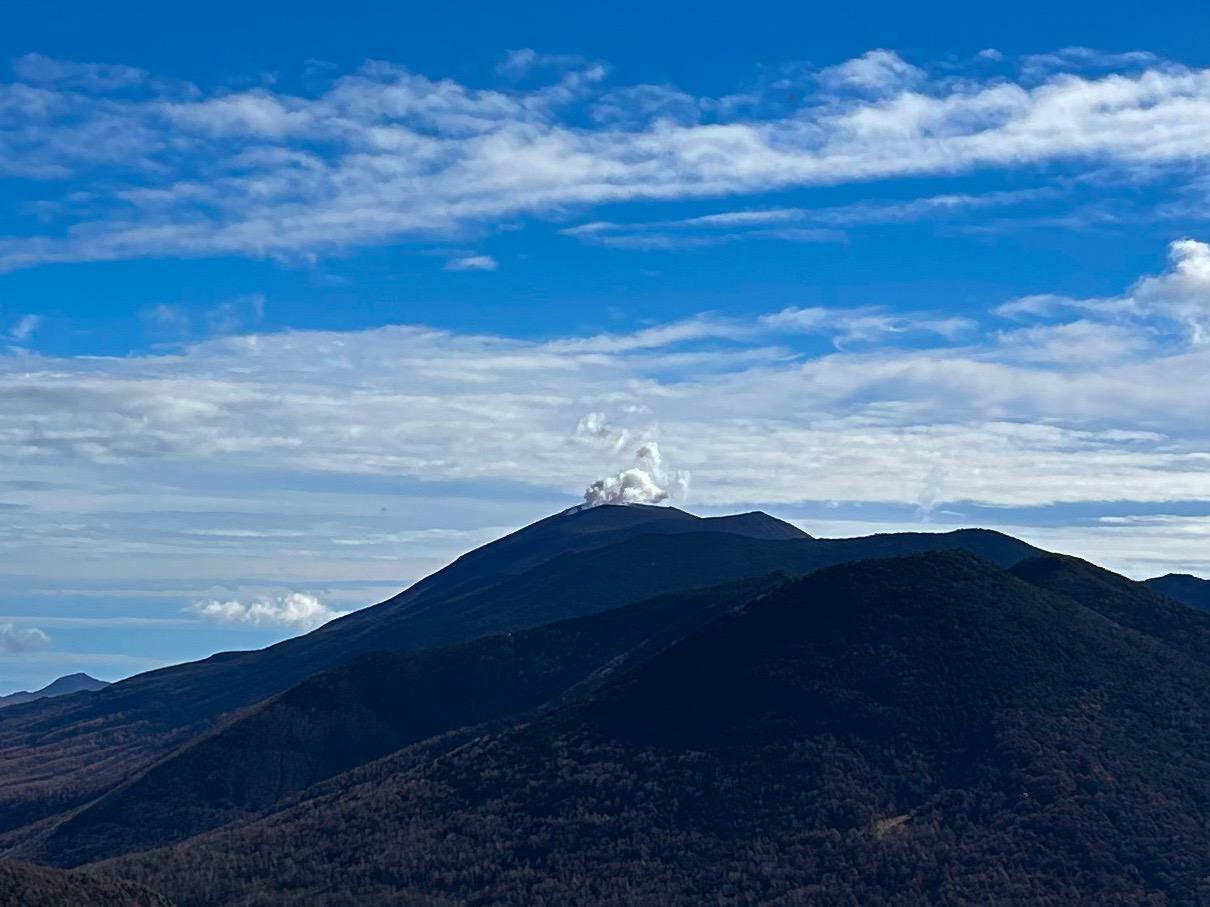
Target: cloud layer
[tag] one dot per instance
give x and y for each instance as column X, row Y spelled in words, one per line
column 1086, row 401
column 384, row 154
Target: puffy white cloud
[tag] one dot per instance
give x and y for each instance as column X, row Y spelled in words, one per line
column 876, row 72
column 1178, row 297
column 19, row 640
column 296, row 610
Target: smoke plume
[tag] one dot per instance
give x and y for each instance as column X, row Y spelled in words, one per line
column 647, row 482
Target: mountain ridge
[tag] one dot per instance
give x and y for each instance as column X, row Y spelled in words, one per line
column 62, row 686
column 922, row 725
column 100, row 743
column 346, row 716
column 1183, row 587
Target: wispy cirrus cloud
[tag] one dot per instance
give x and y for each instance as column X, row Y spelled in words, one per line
column 824, row 224
column 385, row 155
column 38, row 69
column 24, row 328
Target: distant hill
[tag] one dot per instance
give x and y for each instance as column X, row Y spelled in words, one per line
column 1131, row 604
column 1192, row 590
column 71, row 683
column 923, row 729
column 570, row 565
column 23, row 885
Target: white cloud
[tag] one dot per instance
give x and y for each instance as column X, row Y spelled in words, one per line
column 913, row 411
column 791, row 224
column 383, row 154
column 25, row 328
column 877, row 72
column 297, row 610
column 1179, row 297
column 650, row 240
column 596, row 427
column 517, row 64
column 92, row 623
column 1084, row 59
column 239, row 314
column 864, row 325
column 19, row 640
column 236, row 315
column 37, row 69
column 167, row 319
column 640, row 106
column 472, row 263
column 1072, row 413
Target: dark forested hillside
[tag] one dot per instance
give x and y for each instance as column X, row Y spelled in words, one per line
column 61, row 754
column 367, row 708
column 1131, row 604
column 1181, row 587
column 23, row 885
column 930, row 729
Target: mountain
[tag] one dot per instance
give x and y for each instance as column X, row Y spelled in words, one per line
column 1181, row 587
column 1130, row 604
column 570, row 565
column 36, row 886
column 923, row 729
column 369, row 707
column 71, row 683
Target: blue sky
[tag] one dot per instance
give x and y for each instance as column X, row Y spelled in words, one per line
column 296, row 308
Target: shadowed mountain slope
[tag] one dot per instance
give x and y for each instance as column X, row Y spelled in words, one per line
column 64, row 686
column 1181, row 587
column 22, row 885
column 367, row 708
column 1122, row 600
column 59, row 754
column 928, row 729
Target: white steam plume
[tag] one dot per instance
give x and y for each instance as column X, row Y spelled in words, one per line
column 932, row 492
column 647, row 482
column 18, row 640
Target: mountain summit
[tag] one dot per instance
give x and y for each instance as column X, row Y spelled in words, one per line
column 70, row 683
column 1191, row 590
column 567, row 566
